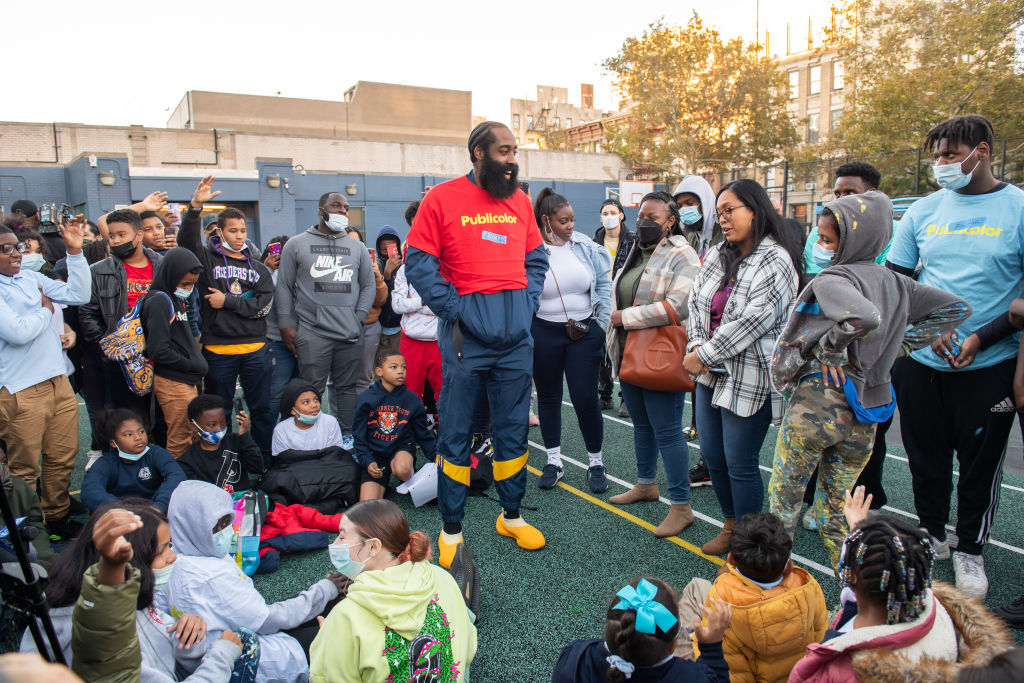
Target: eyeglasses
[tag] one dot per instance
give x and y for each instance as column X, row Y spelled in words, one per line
column 727, row 213
column 7, row 248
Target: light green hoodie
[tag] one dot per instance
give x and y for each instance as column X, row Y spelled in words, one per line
column 395, row 621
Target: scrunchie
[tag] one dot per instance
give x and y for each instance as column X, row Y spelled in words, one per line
column 617, row 662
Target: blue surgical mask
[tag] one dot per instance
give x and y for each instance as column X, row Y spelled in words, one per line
column 952, row 176
column 342, row 560
column 222, row 540
column 182, row 294
column 337, row 222
column 689, row 215
column 224, row 243
column 32, row 261
column 823, row 258
column 161, row 577
column 211, row 437
column 307, row 419
column 133, row 457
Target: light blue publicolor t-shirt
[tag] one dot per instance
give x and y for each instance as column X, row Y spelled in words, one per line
column 971, row 246
column 812, row 268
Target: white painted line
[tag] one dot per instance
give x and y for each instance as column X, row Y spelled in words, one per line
column 991, row 541
column 827, row 571
column 956, row 473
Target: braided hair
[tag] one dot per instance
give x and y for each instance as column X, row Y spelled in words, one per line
column 971, row 130
column 892, row 561
column 640, row 649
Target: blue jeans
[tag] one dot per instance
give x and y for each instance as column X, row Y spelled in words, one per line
column 658, row 426
column 731, row 446
column 254, row 372
column 285, row 368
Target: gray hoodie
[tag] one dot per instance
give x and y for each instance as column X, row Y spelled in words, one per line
column 708, row 232
column 210, row 584
column 859, row 315
column 325, row 284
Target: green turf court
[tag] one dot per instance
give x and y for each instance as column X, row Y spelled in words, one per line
column 533, row 603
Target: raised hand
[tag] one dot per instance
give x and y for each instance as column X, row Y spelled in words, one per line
column 718, row 614
column 73, row 232
column 204, row 192
column 857, row 507
column 154, row 202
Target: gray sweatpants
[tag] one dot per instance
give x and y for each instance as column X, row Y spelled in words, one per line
column 370, row 340
column 321, row 358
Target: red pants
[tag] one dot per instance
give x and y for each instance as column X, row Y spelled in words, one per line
column 422, row 362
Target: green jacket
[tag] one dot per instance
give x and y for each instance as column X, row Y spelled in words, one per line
column 104, row 644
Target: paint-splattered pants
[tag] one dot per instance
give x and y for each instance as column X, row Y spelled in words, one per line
column 819, row 428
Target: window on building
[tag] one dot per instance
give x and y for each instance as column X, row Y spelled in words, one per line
column 558, row 122
column 833, row 119
column 838, row 75
column 568, row 123
column 812, row 128
column 794, row 84
column 529, row 122
column 515, row 121
column 815, row 85
column 769, row 177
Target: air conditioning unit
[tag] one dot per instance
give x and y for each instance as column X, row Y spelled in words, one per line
column 791, row 187
column 810, row 186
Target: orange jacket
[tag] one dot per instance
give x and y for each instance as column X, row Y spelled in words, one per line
column 770, row 629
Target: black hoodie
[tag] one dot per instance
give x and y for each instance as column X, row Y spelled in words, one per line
column 385, row 420
column 388, row 317
column 246, row 282
column 169, row 341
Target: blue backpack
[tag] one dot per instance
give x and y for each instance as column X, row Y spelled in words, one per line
column 126, row 345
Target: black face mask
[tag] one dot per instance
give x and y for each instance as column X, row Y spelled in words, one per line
column 492, row 178
column 648, row 232
column 124, row 250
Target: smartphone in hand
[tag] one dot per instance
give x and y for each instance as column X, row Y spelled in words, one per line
column 392, row 250
column 274, row 248
column 238, row 405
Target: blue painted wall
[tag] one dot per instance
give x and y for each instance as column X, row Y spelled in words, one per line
column 282, row 210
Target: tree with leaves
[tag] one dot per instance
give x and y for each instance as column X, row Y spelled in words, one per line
column 698, row 101
column 910, row 64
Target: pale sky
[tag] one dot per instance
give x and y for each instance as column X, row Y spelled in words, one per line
column 116, row 62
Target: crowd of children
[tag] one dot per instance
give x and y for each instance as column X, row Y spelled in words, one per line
column 154, row 581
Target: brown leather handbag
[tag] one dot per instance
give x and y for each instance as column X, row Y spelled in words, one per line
column 653, row 357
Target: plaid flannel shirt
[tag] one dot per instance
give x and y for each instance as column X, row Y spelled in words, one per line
column 755, row 315
column 668, row 276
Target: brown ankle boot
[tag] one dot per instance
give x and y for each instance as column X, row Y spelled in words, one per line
column 679, row 517
column 719, row 545
column 638, row 494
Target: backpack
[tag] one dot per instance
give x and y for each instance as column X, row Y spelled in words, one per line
column 250, row 512
column 127, row 346
column 481, row 473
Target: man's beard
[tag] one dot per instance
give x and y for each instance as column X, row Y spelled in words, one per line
column 492, row 178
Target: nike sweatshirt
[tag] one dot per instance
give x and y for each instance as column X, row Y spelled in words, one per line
column 325, row 284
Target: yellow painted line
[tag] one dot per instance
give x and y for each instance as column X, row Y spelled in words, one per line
column 686, row 545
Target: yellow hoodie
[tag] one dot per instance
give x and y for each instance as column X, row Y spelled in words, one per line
column 770, row 629
column 395, row 622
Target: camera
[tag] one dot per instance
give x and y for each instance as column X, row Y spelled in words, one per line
column 50, row 218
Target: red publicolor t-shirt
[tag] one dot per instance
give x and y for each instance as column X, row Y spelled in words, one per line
column 480, row 241
column 139, row 280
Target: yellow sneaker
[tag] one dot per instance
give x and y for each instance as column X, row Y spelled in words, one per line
column 528, row 537
column 446, row 548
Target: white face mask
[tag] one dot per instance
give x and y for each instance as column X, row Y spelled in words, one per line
column 337, row 222
column 222, row 540
column 161, row 577
column 610, row 221
column 952, row 176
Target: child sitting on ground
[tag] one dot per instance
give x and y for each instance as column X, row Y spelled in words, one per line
column 834, row 357
column 777, row 609
column 131, row 466
column 206, row 581
column 303, row 426
column 389, row 421
column 639, row 636
column 220, row 456
column 898, row 626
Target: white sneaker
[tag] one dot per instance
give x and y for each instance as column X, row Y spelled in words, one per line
column 941, row 548
column 970, row 574
column 92, row 456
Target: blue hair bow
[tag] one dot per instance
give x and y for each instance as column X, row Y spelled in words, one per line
column 649, row 612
